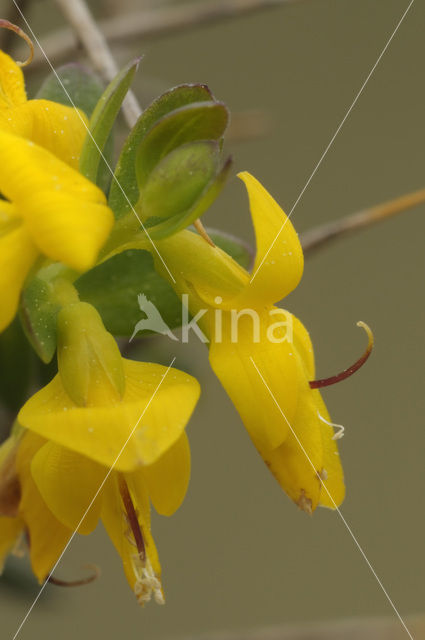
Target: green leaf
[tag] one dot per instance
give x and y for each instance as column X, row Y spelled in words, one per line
column 83, row 87
column 38, row 316
column 15, row 366
column 182, row 220
column 179, row 180
column 113, row 286
column 103, row 119
column 124, row 191
column 197, row 121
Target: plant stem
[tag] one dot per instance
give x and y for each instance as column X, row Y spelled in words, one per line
column 319, row 236
column 152, row 23
column 98, row 51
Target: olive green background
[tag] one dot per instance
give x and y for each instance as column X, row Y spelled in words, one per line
column 238, row 554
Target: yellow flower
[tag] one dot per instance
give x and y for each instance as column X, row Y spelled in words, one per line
column 54, row 126
column 106, row 437
column 48, row 209
column 263, row 355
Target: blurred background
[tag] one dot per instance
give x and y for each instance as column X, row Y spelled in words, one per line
column 238, row 554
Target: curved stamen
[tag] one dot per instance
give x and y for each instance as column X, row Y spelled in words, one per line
column 6, row 24
column 76, row 583
column 326, row 382
column 341, row 429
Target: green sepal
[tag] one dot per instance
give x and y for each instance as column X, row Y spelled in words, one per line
column 38, row 313
column 81, row 85
column 124, row 192
column 84, row 89
column 113, row 286
column 184, row 219
column 196, row 121
column 102, row 120
column 179, row 180
column 15, row 366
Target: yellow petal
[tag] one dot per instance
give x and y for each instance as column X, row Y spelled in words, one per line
column 27, row 168
column 68, row 483
column 47, row 536
column 303, row 346
column 55, row 127
column 234, row 363
column 66, row 228
column 65, row 214
column 333, row 488
column 298, row 461
column 158, row 411
column 12, row 88
column 167, row 479
column 279, row 260
column 139, row 572
column 10, row 528
column 17, row 255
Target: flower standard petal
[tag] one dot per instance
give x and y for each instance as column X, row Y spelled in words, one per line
column 157, row 411
column 55, row 127
column 12, row 87
column 68, row 483
column 65, row 214
column 279, row 260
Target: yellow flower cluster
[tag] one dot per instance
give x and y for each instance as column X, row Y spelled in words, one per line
column 106, row 437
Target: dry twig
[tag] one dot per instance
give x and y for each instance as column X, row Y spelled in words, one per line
column 319, row 236
column 144, row 24
column 98, row 51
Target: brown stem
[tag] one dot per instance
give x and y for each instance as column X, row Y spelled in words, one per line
column 319, row 236
column 151, row 23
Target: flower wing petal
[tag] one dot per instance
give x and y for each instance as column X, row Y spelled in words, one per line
column 68, row 483
column 238, row 366
column 48, row 537
column 68, row 229
column 17, row 255
column 10, row 528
